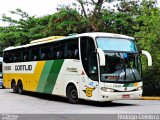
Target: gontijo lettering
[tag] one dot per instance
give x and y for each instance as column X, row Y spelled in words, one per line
column 23, row 67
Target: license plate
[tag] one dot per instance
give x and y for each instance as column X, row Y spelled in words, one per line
column 126, row 96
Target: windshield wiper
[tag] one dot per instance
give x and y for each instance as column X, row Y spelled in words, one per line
column 124, row 67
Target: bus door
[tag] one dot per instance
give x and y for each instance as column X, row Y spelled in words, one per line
column 89, row 76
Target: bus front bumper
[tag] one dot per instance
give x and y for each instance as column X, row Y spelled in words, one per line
column 111, row 96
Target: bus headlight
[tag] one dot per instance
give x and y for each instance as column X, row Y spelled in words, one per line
column 104, row 89
column 139, row 88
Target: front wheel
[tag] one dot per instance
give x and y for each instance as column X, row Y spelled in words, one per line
column 72, row 94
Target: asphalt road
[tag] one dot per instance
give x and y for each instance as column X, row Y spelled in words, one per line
column 33, row 103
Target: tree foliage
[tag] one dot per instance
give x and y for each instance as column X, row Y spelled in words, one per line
column 148, row 38
column 65, row 21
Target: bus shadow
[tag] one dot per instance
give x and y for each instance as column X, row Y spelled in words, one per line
column 82, row 102
column 106, row 104
column 43, row 96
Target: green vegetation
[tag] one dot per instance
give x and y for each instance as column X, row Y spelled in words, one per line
column 138, row 19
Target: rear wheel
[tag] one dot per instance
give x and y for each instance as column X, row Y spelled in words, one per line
column 14, row 87
column 72, row 94
column 20, row 87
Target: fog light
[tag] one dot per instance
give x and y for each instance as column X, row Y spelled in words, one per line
column 104, row 89
column 139, row 88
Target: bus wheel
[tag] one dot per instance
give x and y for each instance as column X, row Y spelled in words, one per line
column 14, row 87
column 20, row 87
column 72, row 94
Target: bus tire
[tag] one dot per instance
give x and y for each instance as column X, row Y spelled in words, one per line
column 72, row 94
column 20, row 87
column 14, row 87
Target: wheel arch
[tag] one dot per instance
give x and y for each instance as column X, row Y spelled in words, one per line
column 74, row 84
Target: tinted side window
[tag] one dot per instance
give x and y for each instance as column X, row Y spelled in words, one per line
column 17, row 55
column 10, row 56
column 58, row 50
column 13, row 56
column 72, row 50
column 6, row 57
column 34, row 53
column 45, row 52
column 25, row 54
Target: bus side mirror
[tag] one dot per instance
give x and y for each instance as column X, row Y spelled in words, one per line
column 148, row 55
column 101, row 57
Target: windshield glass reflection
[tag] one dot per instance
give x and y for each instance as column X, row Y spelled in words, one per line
column 121, row 67
column 116, row 44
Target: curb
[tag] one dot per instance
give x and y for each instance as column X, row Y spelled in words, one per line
column 150, row 98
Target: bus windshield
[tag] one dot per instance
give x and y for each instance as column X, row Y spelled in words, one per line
column 116, row 44
column 122, row 60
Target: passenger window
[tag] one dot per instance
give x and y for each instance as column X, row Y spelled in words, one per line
column 11, row 56
column 25, row 54
column 34, row 54
column 45, row 52
column 72, row 49
column 59, row 50
column 7, row 57
column 17, row 56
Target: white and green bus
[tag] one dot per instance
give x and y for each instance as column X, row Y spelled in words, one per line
column 91, row 66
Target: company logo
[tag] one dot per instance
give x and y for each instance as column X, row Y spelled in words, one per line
column 23, row 67
column 89, row 91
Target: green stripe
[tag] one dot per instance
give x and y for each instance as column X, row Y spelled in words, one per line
column 44, row 76
column 128, row 85
column 53, row 74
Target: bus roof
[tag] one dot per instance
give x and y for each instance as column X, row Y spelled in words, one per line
column 103, row 34
column 46, row 39
column 58, row 38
